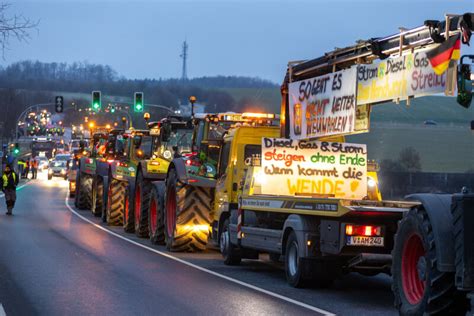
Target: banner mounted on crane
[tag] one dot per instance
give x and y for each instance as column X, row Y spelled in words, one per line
column 410, row 75
column 324, row 105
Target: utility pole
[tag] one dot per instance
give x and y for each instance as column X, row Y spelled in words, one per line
column 184, row 56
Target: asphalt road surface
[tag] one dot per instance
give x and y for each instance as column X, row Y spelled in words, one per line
column 55, row 260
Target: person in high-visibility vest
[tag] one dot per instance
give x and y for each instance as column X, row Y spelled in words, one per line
column 9, row 182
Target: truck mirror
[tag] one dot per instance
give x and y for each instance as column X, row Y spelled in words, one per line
column 464, row 96
column 137, row 141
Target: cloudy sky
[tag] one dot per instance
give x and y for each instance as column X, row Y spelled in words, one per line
column 142, row 39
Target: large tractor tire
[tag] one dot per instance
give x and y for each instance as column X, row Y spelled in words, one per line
column 156, row 224
column 116, row 203
column 418, row 285
column 141, row 202
column 84, row 192
column 98, row 197
column 188, row 215
column 128, row 215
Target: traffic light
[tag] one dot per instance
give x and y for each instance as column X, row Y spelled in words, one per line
column 138, row 105
column 59, row 104
column 16, row 149
column 112, row 109
column 96, row 101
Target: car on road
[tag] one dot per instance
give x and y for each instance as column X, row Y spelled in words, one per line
column 43, row 163
column 57, row 168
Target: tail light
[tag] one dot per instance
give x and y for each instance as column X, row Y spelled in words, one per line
column 110, row 161
column 363, row 230
column 191, row 162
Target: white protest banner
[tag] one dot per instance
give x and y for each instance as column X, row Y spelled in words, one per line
column 323, row 106
column 398, row 78
column 302, row 167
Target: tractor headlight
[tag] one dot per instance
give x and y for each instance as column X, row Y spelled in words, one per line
column 371, row 183
column 167, row 154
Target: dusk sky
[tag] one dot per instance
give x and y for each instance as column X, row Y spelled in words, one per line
column 142, row 39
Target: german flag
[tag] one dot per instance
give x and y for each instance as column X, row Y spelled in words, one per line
column 441, row 55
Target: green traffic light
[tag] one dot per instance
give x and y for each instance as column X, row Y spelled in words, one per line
column 96, row 106
column 16, row 151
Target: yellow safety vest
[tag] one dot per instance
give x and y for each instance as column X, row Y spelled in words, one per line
column 5, row 179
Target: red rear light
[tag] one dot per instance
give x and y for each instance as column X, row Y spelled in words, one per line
column 110, row 161
column 363, row 230
column 191, row 162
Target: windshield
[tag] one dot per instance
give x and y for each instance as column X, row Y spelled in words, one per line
column 217, row 130
column 61, row 163
column 181, row 138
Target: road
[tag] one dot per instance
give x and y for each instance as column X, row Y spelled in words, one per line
column 55, row 260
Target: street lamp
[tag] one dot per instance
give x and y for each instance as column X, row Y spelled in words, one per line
column 192, row 99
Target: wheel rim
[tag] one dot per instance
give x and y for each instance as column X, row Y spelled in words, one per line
column 224, row 241
column 137, row 204
column 127, row 208
column 413, row 255
column 171, row 211
column 293, row 258
column 153, row 215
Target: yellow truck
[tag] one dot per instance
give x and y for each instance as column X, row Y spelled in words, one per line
column 304, row 196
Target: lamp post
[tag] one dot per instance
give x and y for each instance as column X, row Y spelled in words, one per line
column 192, row 100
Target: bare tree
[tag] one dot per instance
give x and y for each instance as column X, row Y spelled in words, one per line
column 13, row 26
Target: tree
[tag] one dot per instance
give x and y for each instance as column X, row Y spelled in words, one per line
column 13, row 26
column 410, row 158
column 389, row 165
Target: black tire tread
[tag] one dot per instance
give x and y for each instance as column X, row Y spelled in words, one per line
column 84, row 192
column 441, row 296
column 117, row 203
column 158, row 236
column 193, row 207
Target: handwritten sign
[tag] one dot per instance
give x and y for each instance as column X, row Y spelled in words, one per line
column 323, row 106
column 304, row 167
column 398, row 78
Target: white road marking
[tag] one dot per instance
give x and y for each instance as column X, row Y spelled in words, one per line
column 167, row 255
column 2, row 311
column 19, row 187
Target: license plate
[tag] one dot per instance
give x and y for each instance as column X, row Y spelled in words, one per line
column 365, row 241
